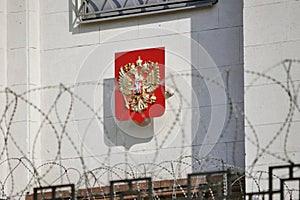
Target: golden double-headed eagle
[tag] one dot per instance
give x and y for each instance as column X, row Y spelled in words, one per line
column 137, row 83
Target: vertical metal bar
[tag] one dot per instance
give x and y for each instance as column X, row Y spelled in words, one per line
column 270, row 183
column 189, row 186
column 150, row 188
column 281, row 190
column 111, row 191
column 130, row 185
column 291, row 173
column 73, row 192
column 250, row 196
column 35, row 194
column 53, row 193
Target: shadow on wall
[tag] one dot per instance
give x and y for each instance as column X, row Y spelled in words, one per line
column 121, row 133
column 220, row 134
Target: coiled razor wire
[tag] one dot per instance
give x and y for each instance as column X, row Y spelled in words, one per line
column 46, row 173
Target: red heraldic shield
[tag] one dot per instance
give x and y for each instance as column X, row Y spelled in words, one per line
column 140, row 89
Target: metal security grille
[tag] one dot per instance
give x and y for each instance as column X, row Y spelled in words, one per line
column 55, row 192
column 138, row 189
column 99, row 10
column 284, row 183
column 280, row 187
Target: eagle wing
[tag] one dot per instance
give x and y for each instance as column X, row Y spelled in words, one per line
column 153, row 79
column 126, row 84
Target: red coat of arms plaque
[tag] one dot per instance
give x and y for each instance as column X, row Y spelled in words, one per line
column 140, row 89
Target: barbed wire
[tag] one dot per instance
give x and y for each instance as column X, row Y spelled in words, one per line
column 89, row 171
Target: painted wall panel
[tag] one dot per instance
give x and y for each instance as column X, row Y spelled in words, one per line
column 271, row 71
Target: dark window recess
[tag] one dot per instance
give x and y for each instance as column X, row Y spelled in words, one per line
column 98, row 10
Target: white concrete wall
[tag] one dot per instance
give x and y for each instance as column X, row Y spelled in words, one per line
column 73, row 54
column 220, row 32
column 45, row 48
column 86, row 54
column 271, row 35
column 20, row 72
column 3, row 47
